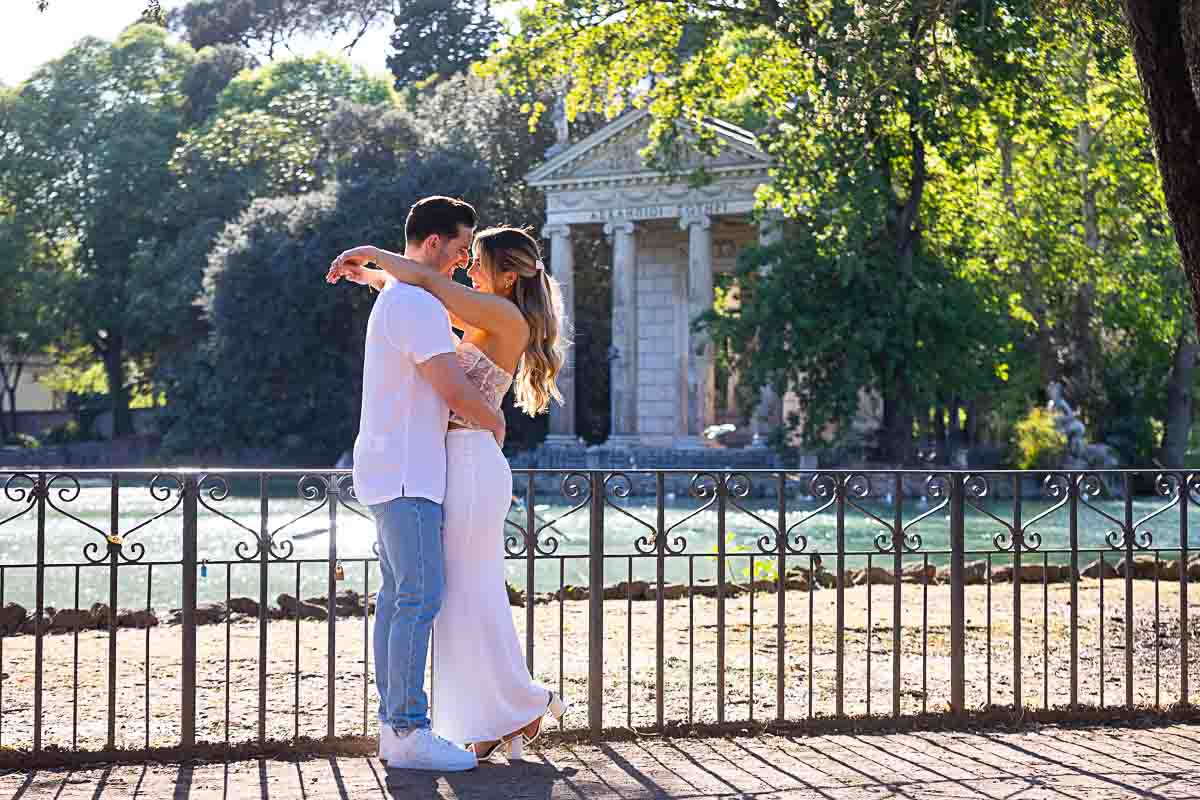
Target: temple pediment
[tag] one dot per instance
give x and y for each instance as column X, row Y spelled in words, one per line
column 612, row 156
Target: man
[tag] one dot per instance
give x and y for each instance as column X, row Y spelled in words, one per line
column 411, row 379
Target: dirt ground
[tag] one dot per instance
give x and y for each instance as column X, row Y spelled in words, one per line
column 146, row 703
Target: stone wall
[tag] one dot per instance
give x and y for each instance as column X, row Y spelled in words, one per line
column 123, row 453
column 689, row 461
column 662, row 316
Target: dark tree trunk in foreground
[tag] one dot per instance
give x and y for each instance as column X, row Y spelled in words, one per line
column 1165, row 36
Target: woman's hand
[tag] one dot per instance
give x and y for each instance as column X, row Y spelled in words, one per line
column 402, row 269
column 351, row 264
column 353, row 273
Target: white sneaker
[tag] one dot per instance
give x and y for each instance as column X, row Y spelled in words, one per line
column 423, row 749
column 386, row 734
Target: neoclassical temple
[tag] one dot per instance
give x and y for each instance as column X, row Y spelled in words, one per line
column 669, row 237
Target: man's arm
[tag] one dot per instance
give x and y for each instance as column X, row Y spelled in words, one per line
column 448, row 379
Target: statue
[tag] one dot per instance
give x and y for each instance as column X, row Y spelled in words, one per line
column 1065, row 420
column 1080, row 454
column 562, row 126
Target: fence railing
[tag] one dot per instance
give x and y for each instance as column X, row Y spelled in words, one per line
column 145, row 610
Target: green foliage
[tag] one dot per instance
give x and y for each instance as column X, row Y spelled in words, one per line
column 435, row 39
column 283, row 369
column 68, row 432
column 214, row 68
column 763, row 569
column 266, row 137
column 1037, row 443
column 22, row 440
column 84, row 165
column 804, row 321
column 972, row 183
column 268, row 25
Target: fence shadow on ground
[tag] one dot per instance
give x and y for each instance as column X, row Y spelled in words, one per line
column 1154, row 762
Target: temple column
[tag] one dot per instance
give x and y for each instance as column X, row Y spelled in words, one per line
column 701, row 408
column 623, row 382
column 562, row 266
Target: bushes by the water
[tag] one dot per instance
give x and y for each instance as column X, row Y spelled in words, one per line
column 1037, row 444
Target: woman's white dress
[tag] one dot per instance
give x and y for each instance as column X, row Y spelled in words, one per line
column 482, row 689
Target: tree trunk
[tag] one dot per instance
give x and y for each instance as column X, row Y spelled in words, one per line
column 1165, row 37
column 11, row 391
column 118, row 392
column 897, row 425
column 10, row 379
column 4, row 425
column 1084, row 344
column 956, row 430
column 1179, row 403
column 971, row 423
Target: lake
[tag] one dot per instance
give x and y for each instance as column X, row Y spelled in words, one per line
column 296, row 521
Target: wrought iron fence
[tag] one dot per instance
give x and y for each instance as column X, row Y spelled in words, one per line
column 648, row 598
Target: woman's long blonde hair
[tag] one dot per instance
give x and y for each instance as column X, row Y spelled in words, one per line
column 536, row 293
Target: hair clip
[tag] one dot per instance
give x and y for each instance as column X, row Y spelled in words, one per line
column 539, row 266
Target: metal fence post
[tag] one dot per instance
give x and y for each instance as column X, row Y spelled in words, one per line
column 596, row 609
column 1130, row 535
column 958, row 644
column 188, row 667
column 42, row 490
column 1073, row 532
column 721, row 600
column 1185, row 501
column 334, row 493
column 843, row 485
column 114, row 563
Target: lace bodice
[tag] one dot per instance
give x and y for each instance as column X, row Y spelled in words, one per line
column 483, row 373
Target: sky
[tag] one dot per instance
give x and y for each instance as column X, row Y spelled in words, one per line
column 29, row 37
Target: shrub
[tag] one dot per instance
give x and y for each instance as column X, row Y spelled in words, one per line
column 1037, row 444
column 66, row 433
column 23, row 440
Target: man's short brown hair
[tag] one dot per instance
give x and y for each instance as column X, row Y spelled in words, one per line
column 438, row 215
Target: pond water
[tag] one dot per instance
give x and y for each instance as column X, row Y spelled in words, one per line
column 306, row 527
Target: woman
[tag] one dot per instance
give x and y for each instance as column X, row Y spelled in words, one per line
column 511, row 322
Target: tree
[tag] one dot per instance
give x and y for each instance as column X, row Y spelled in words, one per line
column 266, row 138
column 25, row 324
column 439, row 38
column 863, row 106
column 283, row 367
column 214, row 69
column 1165, row 39
column 266, row 26
column 84, row 162
column 152, row 13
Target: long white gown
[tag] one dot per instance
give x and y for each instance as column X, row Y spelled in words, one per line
column 482, row 689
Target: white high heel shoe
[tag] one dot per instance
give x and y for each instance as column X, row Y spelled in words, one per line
column 513, row 749
column 556, row 708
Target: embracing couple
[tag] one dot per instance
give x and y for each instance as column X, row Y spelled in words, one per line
column 428, row 464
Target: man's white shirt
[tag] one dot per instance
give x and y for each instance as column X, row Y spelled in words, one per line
column 401, row 446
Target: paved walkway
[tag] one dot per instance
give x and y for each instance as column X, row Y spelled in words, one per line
column 1065, row 763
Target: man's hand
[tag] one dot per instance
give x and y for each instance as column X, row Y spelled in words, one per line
column 500, row 431
column 447, row 378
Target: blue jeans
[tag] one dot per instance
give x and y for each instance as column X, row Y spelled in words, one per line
column 409, row 530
